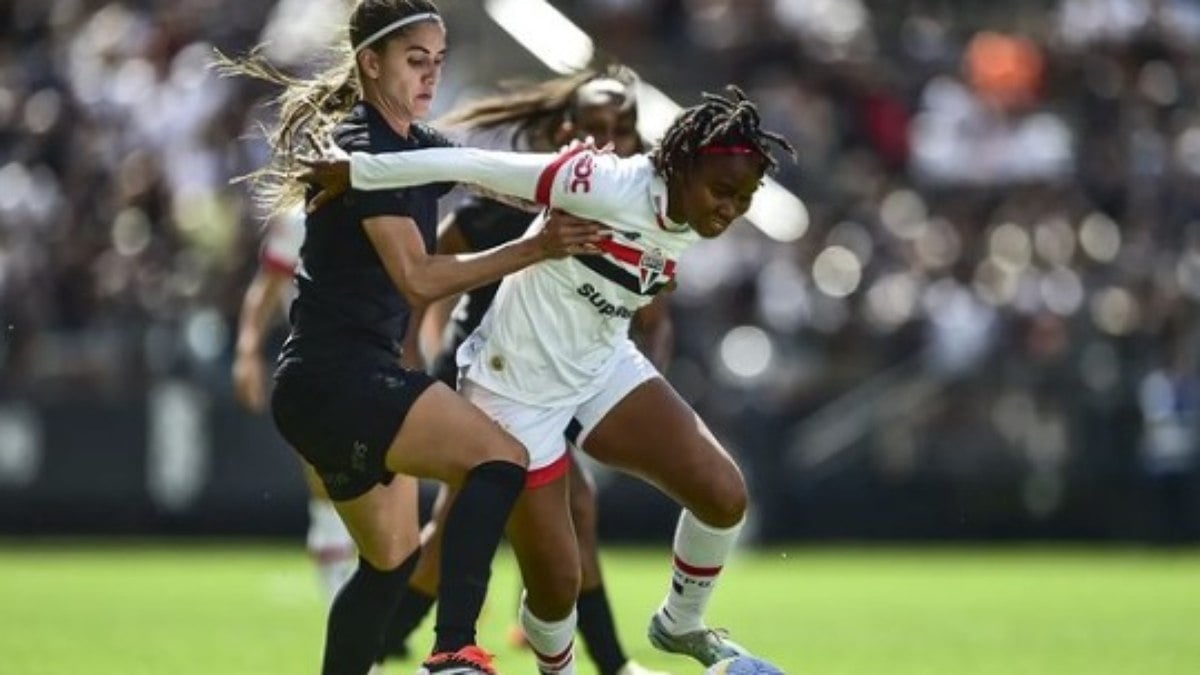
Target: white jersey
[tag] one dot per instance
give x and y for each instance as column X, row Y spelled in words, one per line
column 281, row 246
column 552, row 333
column 282, row 241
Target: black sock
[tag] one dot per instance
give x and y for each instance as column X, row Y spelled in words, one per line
column 474, row 526
column 599, row 632
column 411, row 611
column 359, row 614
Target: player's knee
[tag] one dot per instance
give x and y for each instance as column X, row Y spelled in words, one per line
column 727, row 501
column 505, row 448
column 552, row 596
column 389, row 554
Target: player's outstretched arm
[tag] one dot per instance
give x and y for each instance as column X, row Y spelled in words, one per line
column 574, row 180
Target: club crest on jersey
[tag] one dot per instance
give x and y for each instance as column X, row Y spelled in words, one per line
column 651, row 266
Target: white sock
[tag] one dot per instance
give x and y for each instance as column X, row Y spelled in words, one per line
column 330, row 546
column 552, row 642
column 700, row 553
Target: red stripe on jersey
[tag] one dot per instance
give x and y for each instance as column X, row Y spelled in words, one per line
column 546, row 179
column 658, row 213
column 276, row 264
column 631, row 255
column 696, row 571
column 549, row 473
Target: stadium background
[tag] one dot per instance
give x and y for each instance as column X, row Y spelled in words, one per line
column 977, row 327
column 998, row 247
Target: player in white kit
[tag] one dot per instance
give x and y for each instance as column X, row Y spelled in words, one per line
column 555, row 346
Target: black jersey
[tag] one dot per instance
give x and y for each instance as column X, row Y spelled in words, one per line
column 484, row 224
column 347, row 304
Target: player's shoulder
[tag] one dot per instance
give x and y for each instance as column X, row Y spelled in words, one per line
column 429, row 137
column 605, row 172
column 353, row 132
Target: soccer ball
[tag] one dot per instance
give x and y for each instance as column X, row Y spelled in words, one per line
column 742, row 665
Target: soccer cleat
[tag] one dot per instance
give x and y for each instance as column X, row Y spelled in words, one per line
column 707, row 645
column 632, row 667
column 470, row 660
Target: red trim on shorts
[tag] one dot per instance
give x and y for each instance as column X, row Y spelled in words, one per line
column 558, row 660
column 278, row 265
column 332, row 554
column 546, row 179
column 536, row 478
column 694, row 571
column 630, row 255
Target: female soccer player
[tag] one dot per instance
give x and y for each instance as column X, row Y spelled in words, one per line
column 542, row 117
column 554, row 347
column 341, row 399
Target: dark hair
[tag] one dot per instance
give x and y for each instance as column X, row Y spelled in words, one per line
column 314, row 105
column 716, row 121
column 537, row 110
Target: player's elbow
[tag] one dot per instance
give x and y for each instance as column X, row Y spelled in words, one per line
column 420, row 291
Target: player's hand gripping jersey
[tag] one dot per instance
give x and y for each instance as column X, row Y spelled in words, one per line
column 554, row 328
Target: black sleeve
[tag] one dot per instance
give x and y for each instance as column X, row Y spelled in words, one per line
column 370, row 203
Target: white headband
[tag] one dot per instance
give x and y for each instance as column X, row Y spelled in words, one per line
column 396, row 25
column 605, row 91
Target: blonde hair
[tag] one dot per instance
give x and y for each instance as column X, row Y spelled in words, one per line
column 309, row 108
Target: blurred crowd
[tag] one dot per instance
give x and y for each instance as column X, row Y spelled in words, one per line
column 999, row 275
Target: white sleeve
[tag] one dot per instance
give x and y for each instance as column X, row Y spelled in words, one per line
column 578, row 180
column 284, row 237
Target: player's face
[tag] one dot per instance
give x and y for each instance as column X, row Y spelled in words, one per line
column 410, row 67
column 717, row 190
column 606, row 124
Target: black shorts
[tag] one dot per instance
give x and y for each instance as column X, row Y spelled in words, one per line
column 445, row 368
column 342, row 420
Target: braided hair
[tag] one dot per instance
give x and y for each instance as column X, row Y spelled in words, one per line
column 719, row 120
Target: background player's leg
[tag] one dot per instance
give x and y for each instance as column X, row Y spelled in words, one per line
column 654, row 434
column 543, row 540
column 328, row 542
column 595, row 615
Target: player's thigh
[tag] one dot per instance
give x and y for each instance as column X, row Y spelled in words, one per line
column 540, row 429
column 383, row 522
column 443, row 437
column 543, row 540
column 654, row 434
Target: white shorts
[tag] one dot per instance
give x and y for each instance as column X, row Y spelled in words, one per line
column 543, row 430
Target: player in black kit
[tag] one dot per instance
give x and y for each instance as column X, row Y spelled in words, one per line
column 341, row 398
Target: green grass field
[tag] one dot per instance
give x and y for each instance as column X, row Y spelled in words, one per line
column 192, row 609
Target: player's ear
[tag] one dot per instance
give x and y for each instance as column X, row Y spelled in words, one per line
column 368, row 63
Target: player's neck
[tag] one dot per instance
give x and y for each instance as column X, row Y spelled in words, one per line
column 397, row 119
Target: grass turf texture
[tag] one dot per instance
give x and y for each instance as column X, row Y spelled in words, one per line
column 192, row 609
